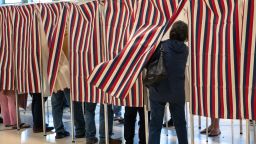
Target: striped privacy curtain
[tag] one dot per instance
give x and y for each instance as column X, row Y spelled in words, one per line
column 117, row 24
column 149, row 21
column 27, row 48
column 247, row 71
column 85, row 50
column 54, row 18
column 92, row 44
column 215, row 28
column 6, row 49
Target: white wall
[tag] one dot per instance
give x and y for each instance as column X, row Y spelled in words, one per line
column 182, row 16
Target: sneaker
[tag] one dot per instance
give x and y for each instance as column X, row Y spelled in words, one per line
column 92, row 140
column 60, row 135
column 170, row 123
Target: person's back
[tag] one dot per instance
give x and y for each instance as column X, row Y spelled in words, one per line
column 175, row 57
column 171, row 89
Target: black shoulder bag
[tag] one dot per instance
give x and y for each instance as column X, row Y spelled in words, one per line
column 156, row 70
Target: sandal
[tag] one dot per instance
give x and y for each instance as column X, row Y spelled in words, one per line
column 22, row 126
column 214, row 132
column 204, row 130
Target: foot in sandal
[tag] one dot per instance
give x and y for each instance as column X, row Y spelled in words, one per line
column 214, row 132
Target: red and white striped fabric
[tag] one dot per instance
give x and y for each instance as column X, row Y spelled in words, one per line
column 87, row 47
column 85, row 50
column 54, row 18
column 27, row 46
column 247, row 85
column 6, row 49
column 117, row 20
column 215, row 28
column 150, row 20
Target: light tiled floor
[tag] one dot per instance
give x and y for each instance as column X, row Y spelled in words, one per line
column 26, row 136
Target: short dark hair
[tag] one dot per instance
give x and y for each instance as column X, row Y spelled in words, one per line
column 179, row 31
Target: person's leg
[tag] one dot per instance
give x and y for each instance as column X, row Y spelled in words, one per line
column 79, row 119
column 12, row 108
column 37, row 110
column 178, row 113
column 67, row 97
column 102, row 121
column 215, row 129
column 4, row 109
column 57, row 111
column 129, row 124
column 155, row 126
column 215, row 123
column 142, row 126
column 212, row 125
column 90, row 125
column 37, row 113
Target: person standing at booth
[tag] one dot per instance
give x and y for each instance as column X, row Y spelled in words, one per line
column 8, row 109
column 172, row 88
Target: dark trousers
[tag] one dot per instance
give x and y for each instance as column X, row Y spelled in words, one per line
column 87, row 125
column 37, row 110
column 58, row 103
column 178, row 115
column 79, row 118
column 129, row 124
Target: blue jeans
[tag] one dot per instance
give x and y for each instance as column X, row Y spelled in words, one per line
column 59, row 100
column 102, row 121
column 117, row 111
column 79, row 118
column 157, row 113
column 90, row 120
column 58, row 103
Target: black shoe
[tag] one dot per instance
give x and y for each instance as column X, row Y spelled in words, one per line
column 118, row 118
column 1, row 120
column 121, row 121
column 60, row 135
column 251, row 122
column 170, row 123
column 80, row 135
column 40, row 129
column 111, row 141
column 92, row 140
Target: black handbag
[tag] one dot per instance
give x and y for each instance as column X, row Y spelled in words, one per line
column 156, row 70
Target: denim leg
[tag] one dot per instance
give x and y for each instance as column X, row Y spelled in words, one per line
column 57, row 111
column 66, row 102
column 67, row 97
column 178, row 114
column 155, row 126
column 90, row 125
column 117, row 111
column 79, row 118
column 102, row 121
column 129, row 124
